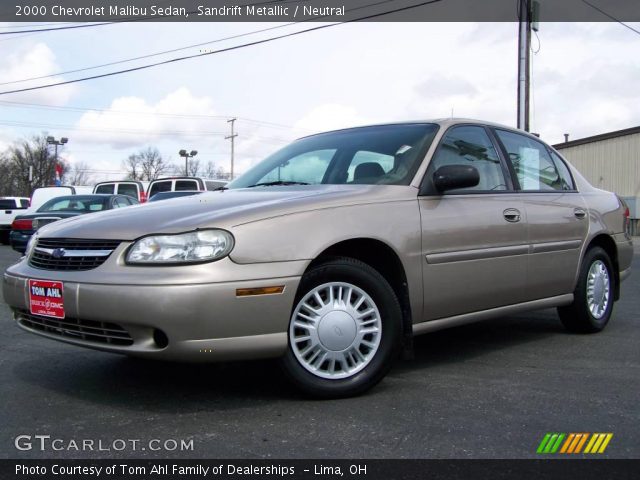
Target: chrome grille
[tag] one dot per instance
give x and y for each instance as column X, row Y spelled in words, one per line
column 71, row 253
column 74, row 328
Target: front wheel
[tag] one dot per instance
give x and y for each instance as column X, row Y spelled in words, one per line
column 344, row 331
column 593, row 297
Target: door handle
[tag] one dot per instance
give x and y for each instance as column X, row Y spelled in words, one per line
column 579, row 213
column 511, row 215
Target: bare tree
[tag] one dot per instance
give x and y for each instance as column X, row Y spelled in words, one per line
column 78, row 174
column 194, row 168
column 147, row 164
column 18, row 159
column 132, row 166
column 211, row 170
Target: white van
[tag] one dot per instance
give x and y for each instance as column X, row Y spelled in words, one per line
column 131, row 188
column 42, row 194
column 173, row 184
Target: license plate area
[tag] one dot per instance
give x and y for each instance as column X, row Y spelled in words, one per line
column 46, row 298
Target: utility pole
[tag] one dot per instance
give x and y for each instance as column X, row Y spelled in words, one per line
column 232, row 137
column 524, row 48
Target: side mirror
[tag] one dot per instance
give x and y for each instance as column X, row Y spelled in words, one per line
column 450, row 177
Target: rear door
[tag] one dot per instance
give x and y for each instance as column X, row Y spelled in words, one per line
column 159, row 186
column 557, row 215
column 106, row 188
column 474, row 240
column 130, row 189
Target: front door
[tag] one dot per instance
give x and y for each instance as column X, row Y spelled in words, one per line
column 474, row 241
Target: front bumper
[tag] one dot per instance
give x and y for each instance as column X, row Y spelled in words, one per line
column 202, row 321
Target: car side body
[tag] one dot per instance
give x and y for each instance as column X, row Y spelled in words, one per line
column 446, row 258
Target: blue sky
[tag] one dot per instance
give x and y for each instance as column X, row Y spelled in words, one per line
column 585, row 79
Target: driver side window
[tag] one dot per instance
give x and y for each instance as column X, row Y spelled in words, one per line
column 470, row 145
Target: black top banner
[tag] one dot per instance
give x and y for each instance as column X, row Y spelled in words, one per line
column 315, row 10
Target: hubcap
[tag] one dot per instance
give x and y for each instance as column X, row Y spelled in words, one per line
column 598, row 289
column 335, row 330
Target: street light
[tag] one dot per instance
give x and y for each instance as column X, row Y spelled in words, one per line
column 187, row 156
column 53, row 141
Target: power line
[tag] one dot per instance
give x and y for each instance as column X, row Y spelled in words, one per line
column 40, row 106
column 611, row 17
column 19, row 124
column 235, row 47
column 141, row 57
column 187, row 47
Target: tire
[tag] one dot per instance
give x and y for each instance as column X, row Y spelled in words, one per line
column 585, row 315
column 356, row 354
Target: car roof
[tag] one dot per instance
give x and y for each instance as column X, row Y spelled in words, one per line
column 87, row 196
column 443, row 122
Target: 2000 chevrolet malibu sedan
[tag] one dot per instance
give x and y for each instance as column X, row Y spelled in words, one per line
column 333, row 252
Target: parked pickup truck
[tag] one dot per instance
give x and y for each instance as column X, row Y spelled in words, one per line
column 9, row 208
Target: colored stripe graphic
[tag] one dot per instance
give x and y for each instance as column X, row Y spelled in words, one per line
column 543, row 443
column 573, row 443
column 551, row 442
column 581, row 443
column 599, row 442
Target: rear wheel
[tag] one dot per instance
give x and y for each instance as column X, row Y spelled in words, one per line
column 593, row 297
column 344, row 331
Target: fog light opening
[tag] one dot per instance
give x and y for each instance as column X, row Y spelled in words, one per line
column 160, row 338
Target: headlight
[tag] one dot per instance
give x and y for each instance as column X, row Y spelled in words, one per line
column 30, row 244
column 190, row 247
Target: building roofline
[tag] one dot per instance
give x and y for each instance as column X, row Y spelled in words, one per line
column 597, row 138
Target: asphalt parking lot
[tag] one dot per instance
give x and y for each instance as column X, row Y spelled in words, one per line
column 489, row 390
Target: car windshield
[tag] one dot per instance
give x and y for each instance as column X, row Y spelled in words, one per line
column 387, row 154
column 75, row 203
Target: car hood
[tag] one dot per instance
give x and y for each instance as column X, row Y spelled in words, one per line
column 220, row 209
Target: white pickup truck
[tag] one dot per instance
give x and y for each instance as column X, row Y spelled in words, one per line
column 9, row 208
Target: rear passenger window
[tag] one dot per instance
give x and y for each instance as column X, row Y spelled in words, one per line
column 128, row 189
column 471, row 146
column 24, row 203
column 160, row 187
column 120, row 202
column 186, row 185
column 563, row 171
column 108, row 188
column 531, row 161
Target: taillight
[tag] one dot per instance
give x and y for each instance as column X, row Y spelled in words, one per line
column 143, row 197
column 627, row 222
column 22, row 225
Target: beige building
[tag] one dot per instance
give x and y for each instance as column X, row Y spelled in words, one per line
column 610, row 161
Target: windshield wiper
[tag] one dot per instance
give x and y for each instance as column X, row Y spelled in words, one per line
column 277, row 182
column 220, row 188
